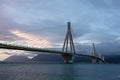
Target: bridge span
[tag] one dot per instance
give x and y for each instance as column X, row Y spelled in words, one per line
column 14, row 47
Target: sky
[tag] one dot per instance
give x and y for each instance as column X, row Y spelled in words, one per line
column 43, row 23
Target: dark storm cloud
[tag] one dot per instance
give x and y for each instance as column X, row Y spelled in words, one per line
column 51, row 15
column 106, row 4
column 94, row 20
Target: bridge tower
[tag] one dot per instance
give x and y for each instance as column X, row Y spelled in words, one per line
column 94, row 60
column 103, row 58
column 100, row 57
column 68, row 46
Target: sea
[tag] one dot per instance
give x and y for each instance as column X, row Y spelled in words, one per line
column 59, row 71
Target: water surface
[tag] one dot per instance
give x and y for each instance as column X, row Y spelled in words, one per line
column 54, row 71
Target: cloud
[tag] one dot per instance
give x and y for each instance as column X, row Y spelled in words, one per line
column 91, row 20
column 32, row 40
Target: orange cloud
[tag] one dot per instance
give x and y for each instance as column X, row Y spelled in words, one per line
column 32, row 40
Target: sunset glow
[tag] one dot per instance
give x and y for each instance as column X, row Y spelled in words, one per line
column 31, row 40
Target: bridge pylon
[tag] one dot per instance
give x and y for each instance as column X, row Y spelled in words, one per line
column 94, row 60
column 103, row 58
column 68, row 46
column 100, row 56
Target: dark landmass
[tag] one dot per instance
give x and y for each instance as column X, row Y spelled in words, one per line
column 58, row 58
column 17, row 59
column 48, row 57
column 78, row 59
column 112, row 58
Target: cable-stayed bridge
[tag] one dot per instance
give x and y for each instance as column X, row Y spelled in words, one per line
column 68, row 51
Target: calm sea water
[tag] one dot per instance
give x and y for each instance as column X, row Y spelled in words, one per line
column 59, row 71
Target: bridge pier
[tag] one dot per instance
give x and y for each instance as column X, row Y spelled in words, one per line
column 100, row 62
column 68, row 58
column 94, row 60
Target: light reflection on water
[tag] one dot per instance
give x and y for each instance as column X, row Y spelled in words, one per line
column 59, row 72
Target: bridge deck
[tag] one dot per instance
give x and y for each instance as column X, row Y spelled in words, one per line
column 8, row 46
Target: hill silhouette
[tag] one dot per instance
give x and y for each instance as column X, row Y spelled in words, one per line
column 58, row 58
column 48, row 57
column 16, row 58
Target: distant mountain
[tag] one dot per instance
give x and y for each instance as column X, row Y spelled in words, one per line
column 17, row 59
column 58, row 58
column 112, row 58
column 79, row 59
column 48, row 57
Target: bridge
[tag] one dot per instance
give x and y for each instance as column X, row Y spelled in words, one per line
column 68, row 51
